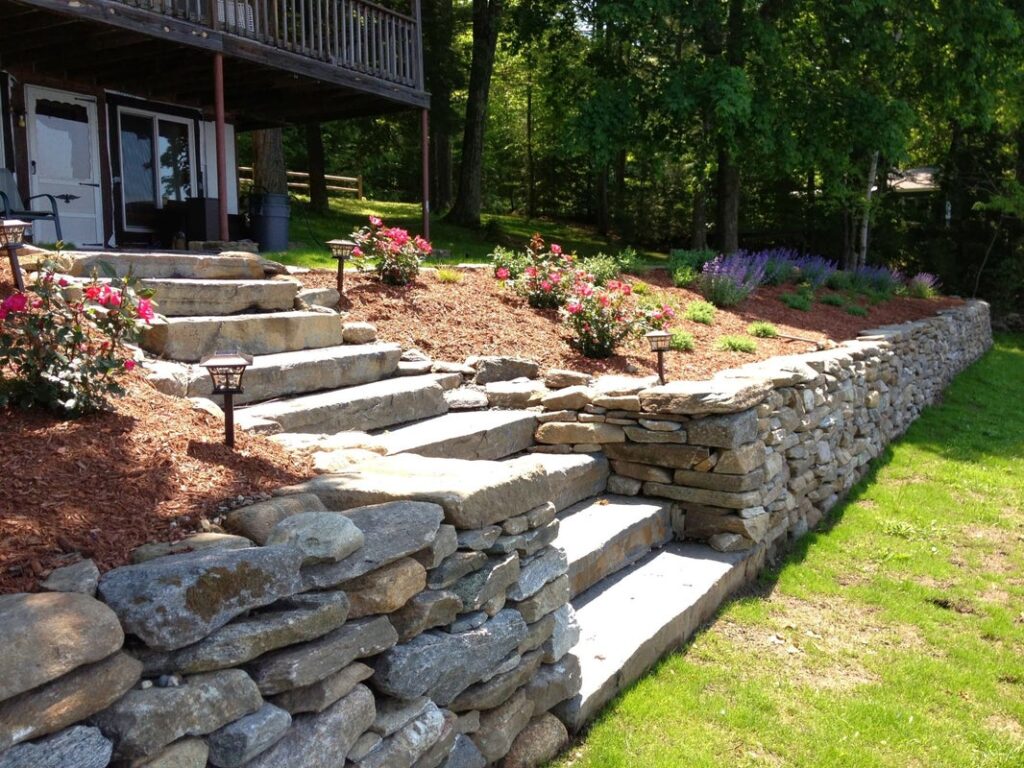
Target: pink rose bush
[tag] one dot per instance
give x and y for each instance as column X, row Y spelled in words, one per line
column 548, row 276
column 390, row 251
column 601, row 317
column 67, row 351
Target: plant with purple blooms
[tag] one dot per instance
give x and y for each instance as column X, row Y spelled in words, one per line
column 814, row 270
column 727, row 280
column 780, row 267
column 878, row 280
column 923, row 285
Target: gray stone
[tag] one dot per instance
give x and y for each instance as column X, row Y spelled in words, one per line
column 542, row 515
column 641, row 435
column 468, row 722
column 358, row 333
column 495, row 368
column 184, row 753
column 741, row 460
column 406, row 746
column 393, row 714
column 529, row 543
column 704, row 496
column 144, row 721
column 565, row 634
column 464, row 754
column 622, row 386
column 454, row 568
column 167, row 265
column 414, row 368
column 515, row 525
column 363, row 746
column 44, row 636
column 195, row 543
column 386, row 589
column 320, row 297
column 538, row 634
column 555, row 683
column 465, row 399
column 702, row 397
column 485, row 584
column 174, row 601
column 545, row 416
column 730, row 431
column 552, row 596
column 557, row 378
column 322, row 537
column 302, row 665
column 641, row 472
column 441, row 665
column 256, row 521
column 318, row 696
column 429, row 609
column 392, row 531
column 467, row 621
column 240, row 741
column 539, row 742
column 556, row 432
column 445, row 544
column 675, row 456
column 293, row 620
column 514, row 394
column 479, row 538
column 720, row 482
column 487, row 435
column 324, row 739
column 312, row 443
column 542, row 568
column 659, row 425
column 730, row 542
column 76, row 747
column 66, row 700
column 81, row 577
column 499, row 688
column 624, row 486
column 442, row 747
column 569, row 398
column 180, row 297
column 500, row 726
column 630, row 403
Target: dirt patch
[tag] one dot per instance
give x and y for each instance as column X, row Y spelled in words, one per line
column 1005, row 726
column 820, row 643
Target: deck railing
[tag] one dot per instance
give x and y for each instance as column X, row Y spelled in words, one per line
column 353, row 34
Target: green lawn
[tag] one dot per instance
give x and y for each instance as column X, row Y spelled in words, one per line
column 465, row 245
column 893, row 637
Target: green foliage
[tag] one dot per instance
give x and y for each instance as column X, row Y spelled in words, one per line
column 737, row 344
column 695, row 260
column 684, row 276
column 389, row 251
column 600, row 319
column 840, row 281
column 799, row 300
column 682, row 341
column 549, row 274
column 700, row 311
column 833, row 299
column 640, row 288
column 602, row 267
column 762, row 329
column 448, row 275
column 508, row 265
column 630, row 261
column 856, row 310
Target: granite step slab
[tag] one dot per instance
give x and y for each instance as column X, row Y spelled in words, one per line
column 182, row 297
column 605, row 534
column 168, row 265
column 467, row 435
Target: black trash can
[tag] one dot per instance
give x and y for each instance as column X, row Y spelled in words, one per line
column 269, row 214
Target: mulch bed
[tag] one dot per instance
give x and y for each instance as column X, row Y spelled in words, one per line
column 451, row 321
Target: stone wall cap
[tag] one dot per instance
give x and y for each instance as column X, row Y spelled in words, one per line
column 704, row 397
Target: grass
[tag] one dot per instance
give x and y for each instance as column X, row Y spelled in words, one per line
column 892, row 636
column 856, row 310
column 448, row 275
column 737, row 344
column 700, row 312
column 800, row 300
column 762, row 329
column 682, row 341
column 310, row 230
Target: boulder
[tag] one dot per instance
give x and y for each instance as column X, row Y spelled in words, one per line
column 79, row 746
column 441, row 748
column 495, row 368
column 363, row 746
column 144, row 721
column 46, row 635
column 406, row 745
column 499, row 688
column 623, row 486
column 441, row 666
column 703, row 397
column 174, row 601
column 540, row 741
column 238, row 742
column 358, row 333
column 466, row 399
column 81, row 577
column 184, row 753
column 320, row 695
column 675, row 456
column 500, row 726
column 393, row 714
column 324, row 739
column 514, row 394
column 387, row 589
column 455, row 567
column 322, row 537
column 321, row 297
column 194, row 543
column 557, row 378
column 256, row 521
column 741, row 460
column 568, row 398
column 429, row 609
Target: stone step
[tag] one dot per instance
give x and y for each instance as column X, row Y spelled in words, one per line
column 190, row 339
column 469, row 435
column 307, row 370
column 474, row 494
column 179, row 297
column 605, row 534
column 632, row 619
column 361, row 408
column 165, row 265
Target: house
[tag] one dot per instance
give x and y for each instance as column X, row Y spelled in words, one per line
column 126, row 111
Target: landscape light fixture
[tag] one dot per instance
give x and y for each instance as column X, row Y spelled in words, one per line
column 341, row 250
column 659, row 341
column 226, row 370
column 12, row 234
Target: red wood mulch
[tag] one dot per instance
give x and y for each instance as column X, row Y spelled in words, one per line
column 451, row 321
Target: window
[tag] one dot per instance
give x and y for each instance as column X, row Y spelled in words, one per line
column 157, row 165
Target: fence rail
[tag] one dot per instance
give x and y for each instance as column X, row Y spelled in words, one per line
column 301, row 181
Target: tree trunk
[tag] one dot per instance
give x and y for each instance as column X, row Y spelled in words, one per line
column 728, row 202
column 865, row 224
column 268, row 169
column 315, row 163
column 602, row 200
column 486, row 19
column 439, row 61
column 699, row 238
column 531, row 192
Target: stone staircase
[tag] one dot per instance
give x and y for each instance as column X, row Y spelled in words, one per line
column 637, row 595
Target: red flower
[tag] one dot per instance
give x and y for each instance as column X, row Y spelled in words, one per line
column 502, row 273
column 129, row 364
column 531, row 271
column 573, row 307
column 545, row 286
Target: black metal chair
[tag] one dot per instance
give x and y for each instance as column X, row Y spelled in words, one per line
column 13, row 207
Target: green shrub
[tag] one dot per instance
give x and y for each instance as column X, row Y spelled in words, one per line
column 630, row 262
column 682, row 341
column 700, row 311
column 508, row 265
column 801, row 301
column 602, row 267
column 833, row 300
column 840, row 281
column 448, row 275
column 737, row 344
column 681, row 257
column 762, row 329
column 857, row 310
column 640, row 288
column 684, row 276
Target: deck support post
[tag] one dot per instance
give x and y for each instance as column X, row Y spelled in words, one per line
column 425, row 151
column 222, row 157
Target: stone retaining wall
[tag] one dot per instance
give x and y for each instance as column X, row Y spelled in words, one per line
column 759, row 454
column 380, row 637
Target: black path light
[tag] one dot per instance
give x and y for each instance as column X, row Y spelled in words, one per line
column 226, row 370
column 341, row 250
column 659, row 341
column 12, row 234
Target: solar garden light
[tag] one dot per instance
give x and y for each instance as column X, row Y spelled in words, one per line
column 226, row 370
column 12, row 233
column 659, row 341
column 341, row 250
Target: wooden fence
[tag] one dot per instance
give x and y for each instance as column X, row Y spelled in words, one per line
column 299, row 180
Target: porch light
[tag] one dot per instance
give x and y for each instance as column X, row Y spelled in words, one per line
column 341, row 250
column 659, row 341
column 12, row 234
column 226, row 371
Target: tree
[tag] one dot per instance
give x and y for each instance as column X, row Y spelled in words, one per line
column 315, row 167
column 270, row 176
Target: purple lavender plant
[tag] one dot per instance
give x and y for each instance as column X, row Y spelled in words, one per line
column 923, row 285
column 815, row 270
column 878, row 279
column 728, row 280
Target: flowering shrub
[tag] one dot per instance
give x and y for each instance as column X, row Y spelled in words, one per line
column 923, row 285
column 880, row 280
column 549, row 275
column 599, row 316
column 727, row 280
column 508, row 265
column 657, row 318
column 786, row 265
column 390, row 251
column 68, row 354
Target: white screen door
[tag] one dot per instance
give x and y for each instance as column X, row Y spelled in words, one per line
column 63, row 150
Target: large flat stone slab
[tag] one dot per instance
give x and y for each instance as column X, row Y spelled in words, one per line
column 308, row 370
column 168, row 265
column 80, row 746
column 190, row 339
column 368, row 406
column 467, row 435
column 573, row 477
column 603, row 535
column 630, row 620
column 177, row 297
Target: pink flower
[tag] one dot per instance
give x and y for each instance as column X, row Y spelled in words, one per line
column 573, row 307
column 375, row 221
column 605, row 299
column 545, row 286
column 531, row 272
column 357, row 251
column 145, row 310
column 502, row 273
column 556, row 249
column 93, row 292
column 129, row 365
column 63, row 282
column 422, row 245
column 111, row 297
column 584, row 289
column 627, row 289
